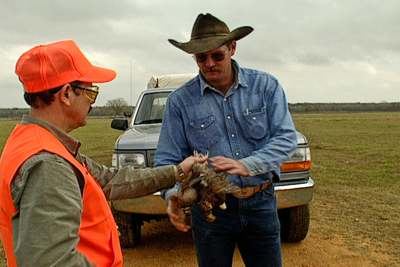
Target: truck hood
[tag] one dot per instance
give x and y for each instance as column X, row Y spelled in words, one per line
column 139, row 137
column 143, row 137
column 301, row 139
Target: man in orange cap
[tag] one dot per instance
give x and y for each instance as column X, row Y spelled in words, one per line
column 241, row 117
column 53, row 201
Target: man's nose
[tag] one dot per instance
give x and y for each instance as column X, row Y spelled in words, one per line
column 209, row 62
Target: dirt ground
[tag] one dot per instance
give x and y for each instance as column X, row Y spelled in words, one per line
column 162, row 245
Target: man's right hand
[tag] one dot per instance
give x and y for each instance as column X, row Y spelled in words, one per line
column 176, row 214
column 187, row 164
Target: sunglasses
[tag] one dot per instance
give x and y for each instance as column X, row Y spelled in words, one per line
column 217, row 56
column 90, row 92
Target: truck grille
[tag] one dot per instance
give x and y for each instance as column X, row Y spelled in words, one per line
column 150, row 157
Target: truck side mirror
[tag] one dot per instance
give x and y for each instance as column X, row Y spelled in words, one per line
column 119, row 124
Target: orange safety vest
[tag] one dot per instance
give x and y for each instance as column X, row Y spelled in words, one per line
column 98, row 233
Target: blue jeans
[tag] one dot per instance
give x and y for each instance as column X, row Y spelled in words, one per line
column 251, row 224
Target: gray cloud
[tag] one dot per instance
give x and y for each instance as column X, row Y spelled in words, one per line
column 321, row 51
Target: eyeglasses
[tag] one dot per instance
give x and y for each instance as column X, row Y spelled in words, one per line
column 217, row 56
column 90, row 92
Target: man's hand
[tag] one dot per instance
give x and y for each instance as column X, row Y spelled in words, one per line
column 231, row 166
column 176, row 215
column 188, row 163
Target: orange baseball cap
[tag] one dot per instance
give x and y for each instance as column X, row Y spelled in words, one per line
column 45, row 67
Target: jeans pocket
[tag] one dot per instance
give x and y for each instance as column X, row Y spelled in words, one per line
column 265, row 200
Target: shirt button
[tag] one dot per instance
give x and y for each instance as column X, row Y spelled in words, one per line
column 254, row 118
column 237, row 153
column 232, row 135
column 225, row 99
column 202, row 126
column 229, row 117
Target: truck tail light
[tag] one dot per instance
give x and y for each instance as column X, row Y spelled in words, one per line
column 300, row 161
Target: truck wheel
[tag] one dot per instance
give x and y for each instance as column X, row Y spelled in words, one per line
column 129, row 228
column 294, row 223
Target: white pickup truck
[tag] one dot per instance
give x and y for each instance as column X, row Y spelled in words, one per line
column 137, row 146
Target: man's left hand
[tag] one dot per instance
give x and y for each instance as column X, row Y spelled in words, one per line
column 231, row 166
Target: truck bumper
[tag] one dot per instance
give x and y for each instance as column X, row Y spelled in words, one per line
column 288, row 196
column 152, row 204
column 294, row 194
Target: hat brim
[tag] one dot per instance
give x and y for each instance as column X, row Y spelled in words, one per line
column 201, row 45
column 98, row 75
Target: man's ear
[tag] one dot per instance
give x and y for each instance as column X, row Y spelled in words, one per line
column 65, row 94
column 233, row 47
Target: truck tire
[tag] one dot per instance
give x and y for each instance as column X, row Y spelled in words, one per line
column 129, row 228
column 294, row 223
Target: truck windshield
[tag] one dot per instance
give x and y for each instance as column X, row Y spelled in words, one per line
column 151, row 109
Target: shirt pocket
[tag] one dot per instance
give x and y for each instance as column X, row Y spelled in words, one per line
column 203, row 132
column 255, row 123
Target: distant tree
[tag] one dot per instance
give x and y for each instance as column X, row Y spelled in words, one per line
column 118, row 105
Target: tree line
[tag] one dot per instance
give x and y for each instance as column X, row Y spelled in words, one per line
column 344, row 107
column 119, row 107
column 114, row 107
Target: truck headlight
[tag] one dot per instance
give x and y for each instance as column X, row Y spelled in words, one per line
column 300, row 161
column 135, row 159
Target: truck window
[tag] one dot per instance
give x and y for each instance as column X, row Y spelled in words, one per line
column 151, row 109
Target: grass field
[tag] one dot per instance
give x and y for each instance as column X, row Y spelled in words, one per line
column 355, row 166
column 357, row 172
column 97, row 137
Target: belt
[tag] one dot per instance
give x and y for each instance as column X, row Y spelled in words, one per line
column 249, row 191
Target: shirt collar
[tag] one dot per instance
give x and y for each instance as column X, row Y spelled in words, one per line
column 68, row 141
column 239, row 78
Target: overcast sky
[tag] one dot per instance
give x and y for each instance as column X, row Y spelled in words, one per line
column 320, row 50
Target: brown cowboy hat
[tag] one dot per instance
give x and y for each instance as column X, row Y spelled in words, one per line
column 209, row 33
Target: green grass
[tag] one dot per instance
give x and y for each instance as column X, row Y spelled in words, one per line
column 355, row 166
column 97, row 137
column 357, row 173
column 6, row 127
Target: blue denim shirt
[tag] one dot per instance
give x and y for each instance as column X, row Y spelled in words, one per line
column 251, row 123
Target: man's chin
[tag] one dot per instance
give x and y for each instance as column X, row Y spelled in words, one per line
column 212, row 75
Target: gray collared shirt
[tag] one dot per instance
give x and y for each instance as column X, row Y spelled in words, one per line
column 47, row 192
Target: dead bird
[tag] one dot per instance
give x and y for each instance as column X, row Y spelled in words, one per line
column 204, row 186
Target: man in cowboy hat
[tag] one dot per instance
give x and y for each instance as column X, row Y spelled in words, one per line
column 53, row 201
column 241, row 117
